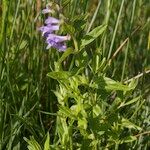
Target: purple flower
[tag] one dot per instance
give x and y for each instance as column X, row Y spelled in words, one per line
column 48, row 29
column 51, row 20
column 57, row 41
column 58, row 38
column 60, row 46
column 52, row 40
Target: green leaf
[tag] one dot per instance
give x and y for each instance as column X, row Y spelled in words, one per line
column 82, row 123
column 133, row 83
column 108, row 84
column 67, row 112
column 96, row 110
column 102, row 65
column 59, row 75
column 81, row 80
column 47, row 142
column 23, row 44
column 32, row 144
column 113, row 85
column 128, row 139
column 65, row 55
column 127, row 124
column 91, row 36
column 129, row 102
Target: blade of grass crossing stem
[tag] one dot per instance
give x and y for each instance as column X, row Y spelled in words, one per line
column 115, row 30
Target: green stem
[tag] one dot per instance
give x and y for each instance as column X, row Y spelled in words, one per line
column 126, row 51
column 115, row 31
column 106, row 21
column 94, row 16
column 125, row 61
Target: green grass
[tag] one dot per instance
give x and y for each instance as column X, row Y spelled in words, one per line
column 83, row 98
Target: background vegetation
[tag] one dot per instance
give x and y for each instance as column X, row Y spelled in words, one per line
column 96, row 95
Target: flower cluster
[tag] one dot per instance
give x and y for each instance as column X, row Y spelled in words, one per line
column 53, row 40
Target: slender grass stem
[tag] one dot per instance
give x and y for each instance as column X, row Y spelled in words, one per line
column 109, row 4
column 115, row 30
column 126, row 51
column 125, row 60
column 94, row 17
column 138, row 76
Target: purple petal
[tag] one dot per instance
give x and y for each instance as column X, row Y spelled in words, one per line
column 61, row 45
column 51, row 20
column 49, row 29
column 57, row 38
column 50, row 44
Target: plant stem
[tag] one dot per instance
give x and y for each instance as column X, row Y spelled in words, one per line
column 115, row 31
column 94, row 16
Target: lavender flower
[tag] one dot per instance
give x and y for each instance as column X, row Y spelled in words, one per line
column 57, row 41
column 58, row 38
column 52, row 40
column 51, row 20
column 60, row 46
column 48, row 29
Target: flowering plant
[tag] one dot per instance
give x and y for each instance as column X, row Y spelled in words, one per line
column 51, row 25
